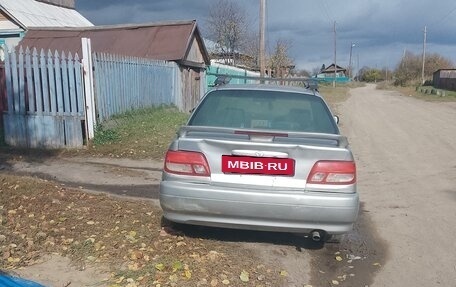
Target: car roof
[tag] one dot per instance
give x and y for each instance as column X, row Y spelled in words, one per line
column 267, row 87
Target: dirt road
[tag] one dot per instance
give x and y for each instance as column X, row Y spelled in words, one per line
column 406, row 156
column 124, row 177
column 405, row 150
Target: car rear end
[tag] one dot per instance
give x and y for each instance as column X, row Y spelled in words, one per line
column 261, row 158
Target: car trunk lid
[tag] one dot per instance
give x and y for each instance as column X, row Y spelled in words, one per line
column 255, row 158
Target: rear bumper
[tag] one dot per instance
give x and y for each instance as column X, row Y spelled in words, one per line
column 284, row 211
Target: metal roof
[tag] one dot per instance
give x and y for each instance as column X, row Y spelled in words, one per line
column 31, row 13
column 170, row 41
column 8, row 26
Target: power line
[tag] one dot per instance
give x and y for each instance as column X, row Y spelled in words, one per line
column 326, row 10
column 440, row 20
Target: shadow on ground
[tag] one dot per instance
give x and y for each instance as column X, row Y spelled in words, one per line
column 243, row 236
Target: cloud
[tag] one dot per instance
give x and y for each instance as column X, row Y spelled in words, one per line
column 381, row 29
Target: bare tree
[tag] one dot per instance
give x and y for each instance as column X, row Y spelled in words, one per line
column 251, row 49
column 435, row 62
column 227, row 27
column 409, row 69
column 280, row 62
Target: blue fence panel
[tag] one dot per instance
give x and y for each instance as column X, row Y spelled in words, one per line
column 30, row 91
column 65, row 86
column 21, row 92
column 79, row 85
column 329, row 79
column 37, row 83
column 127, row 83
column 44, row 83
column 39, row 89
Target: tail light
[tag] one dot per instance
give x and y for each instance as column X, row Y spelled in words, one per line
column 332, row 172
column 186, row 163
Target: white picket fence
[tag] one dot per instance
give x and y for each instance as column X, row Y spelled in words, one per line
column 45, row 99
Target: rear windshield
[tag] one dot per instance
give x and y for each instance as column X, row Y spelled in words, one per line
column 270, row 110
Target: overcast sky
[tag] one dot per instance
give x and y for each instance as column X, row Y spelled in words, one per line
column 380, row 29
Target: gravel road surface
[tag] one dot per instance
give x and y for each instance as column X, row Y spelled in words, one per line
column 406, row 156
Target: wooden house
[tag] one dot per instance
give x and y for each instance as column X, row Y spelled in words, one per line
column 329, row 71
column 220, row 55
column 177, row 41
column 445, row 79
column 332, row 73
column 18, row 16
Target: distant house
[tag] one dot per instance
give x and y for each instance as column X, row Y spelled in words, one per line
column 220, row 55
column 222, row 63
column 445, row 79
column 327, row 74
column 178, row 41
column 18, row 16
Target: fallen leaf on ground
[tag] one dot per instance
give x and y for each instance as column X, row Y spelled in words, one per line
column 177, row 266
column 244, row 276
column 160, row 266
column 173, row 278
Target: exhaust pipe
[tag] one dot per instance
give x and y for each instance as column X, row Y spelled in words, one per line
column 317, row 235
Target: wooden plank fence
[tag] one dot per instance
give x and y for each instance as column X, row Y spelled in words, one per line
column 45, row 100
column 45, row 103
column 126, row 83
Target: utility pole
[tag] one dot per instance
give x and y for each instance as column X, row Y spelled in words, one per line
column 350, row 61
column 262, row 37
column 424, row 55
column 335, row 55
column 357, row 68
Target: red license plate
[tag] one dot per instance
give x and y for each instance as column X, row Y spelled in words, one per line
column 257, row 165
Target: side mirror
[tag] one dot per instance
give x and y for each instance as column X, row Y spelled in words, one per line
column 336, row 119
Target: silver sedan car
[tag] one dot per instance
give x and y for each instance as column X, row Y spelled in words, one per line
column 261, row 157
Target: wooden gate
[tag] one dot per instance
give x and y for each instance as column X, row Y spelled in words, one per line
column 191, row 88
column 45, row 100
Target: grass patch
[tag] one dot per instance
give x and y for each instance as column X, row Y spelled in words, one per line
column 144, row 133
column 427, row 93
column 105, row 136
column 138, row 134
column 338, row 95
